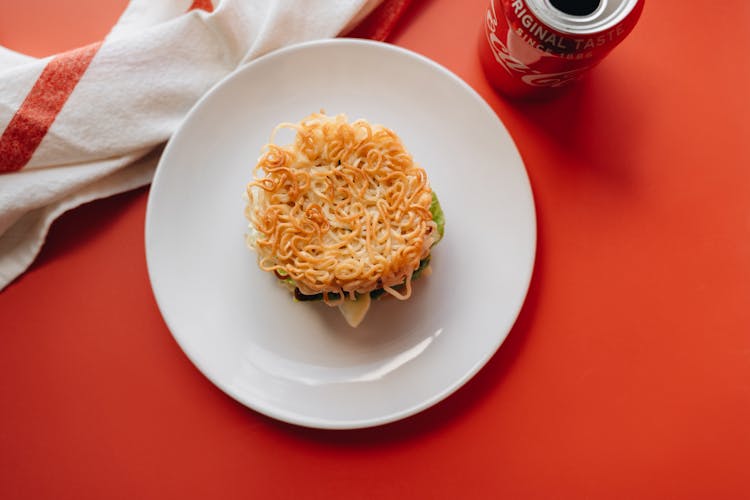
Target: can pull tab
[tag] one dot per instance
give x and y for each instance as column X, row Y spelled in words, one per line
column 576, row 7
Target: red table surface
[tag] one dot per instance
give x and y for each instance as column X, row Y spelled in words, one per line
column 627, row 374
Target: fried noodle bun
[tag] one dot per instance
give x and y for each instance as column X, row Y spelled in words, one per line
column 340, row 212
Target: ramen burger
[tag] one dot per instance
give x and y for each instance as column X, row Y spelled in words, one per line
column 342, row 214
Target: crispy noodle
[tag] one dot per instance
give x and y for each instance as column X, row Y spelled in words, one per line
column 342, row 210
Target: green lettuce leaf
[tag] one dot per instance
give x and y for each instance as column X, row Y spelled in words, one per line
column 438, row 217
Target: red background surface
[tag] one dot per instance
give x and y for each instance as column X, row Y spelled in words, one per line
column 626, row 376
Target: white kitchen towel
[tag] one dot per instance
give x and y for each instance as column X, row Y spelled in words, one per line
column 89, row 123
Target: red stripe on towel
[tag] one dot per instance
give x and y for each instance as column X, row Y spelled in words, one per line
column 206, row 5
column 379, row 24
column 43, row 103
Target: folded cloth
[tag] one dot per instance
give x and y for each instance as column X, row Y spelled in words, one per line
column 90, row 122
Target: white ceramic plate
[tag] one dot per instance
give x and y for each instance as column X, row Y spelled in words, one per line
column 301, row 362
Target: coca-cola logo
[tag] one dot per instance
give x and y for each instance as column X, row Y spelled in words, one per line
column 514, row 66
column 552, row 79
column 499, row 49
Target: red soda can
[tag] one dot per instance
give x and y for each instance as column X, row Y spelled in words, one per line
column 530, row 48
